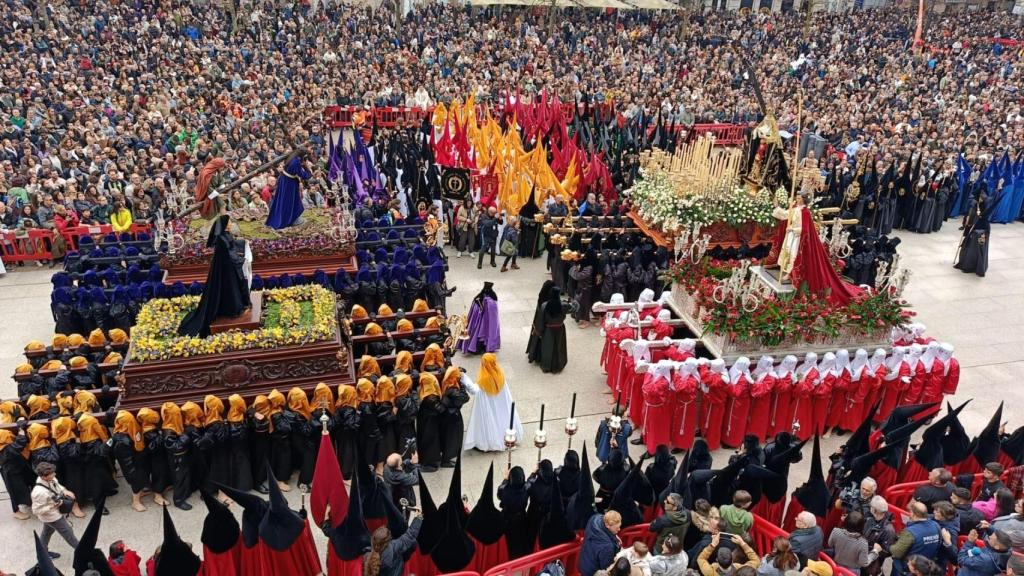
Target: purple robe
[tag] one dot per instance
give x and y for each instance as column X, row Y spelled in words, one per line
column 286, row 207
column 484, row 331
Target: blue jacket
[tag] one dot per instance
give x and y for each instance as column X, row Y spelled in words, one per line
column 980, row 561
column 599, row 547
column 603, row 440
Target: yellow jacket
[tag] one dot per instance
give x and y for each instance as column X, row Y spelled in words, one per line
column 121, row 220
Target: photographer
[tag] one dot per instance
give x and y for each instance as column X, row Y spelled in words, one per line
column 401, row 474
column 51, row 503
column 851, row 498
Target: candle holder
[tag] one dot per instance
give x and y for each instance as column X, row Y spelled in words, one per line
column 540, row 440
column 615, row 424
column 510, row 443
column 571, row 428
column 324, row 419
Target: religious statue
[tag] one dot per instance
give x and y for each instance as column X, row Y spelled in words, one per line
column 810, row 174
column 793, row 216
column 286, row 207
column 226, row 292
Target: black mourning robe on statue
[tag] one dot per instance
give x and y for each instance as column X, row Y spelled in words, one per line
column 226, row 292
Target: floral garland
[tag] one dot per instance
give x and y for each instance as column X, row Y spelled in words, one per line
column 155, row 337
column 799, row 318
column 660, row 204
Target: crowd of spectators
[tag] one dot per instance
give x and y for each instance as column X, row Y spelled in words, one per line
column 109, row 106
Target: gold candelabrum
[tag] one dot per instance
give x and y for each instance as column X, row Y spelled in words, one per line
column 458, row 330
column 698, row 168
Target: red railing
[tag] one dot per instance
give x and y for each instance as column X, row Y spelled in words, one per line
column 725, row 134
column 73, row 235
column 568, row 553
column 29, row 246
column 764, row 533
column 899, row 495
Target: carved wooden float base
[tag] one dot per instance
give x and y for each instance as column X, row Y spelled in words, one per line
column 246, row 372
column 305, row 265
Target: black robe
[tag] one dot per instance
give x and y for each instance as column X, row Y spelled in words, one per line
column 451, row 422
column 259, row 449
column 159, row 467
column 346, row 434
column 179, row 462
column 134, row 464
column 405, row 425
column 304, row 445
column 972, row 255
column 99, row 473
column 226, row 292
column 71, row 467
column 518, row 537
column 387, row 421
column 16, row 473
column 553, row 352
column 218, row 455
column 280, row 447
column 240, row 472
column 369, row 434
column 428, row 432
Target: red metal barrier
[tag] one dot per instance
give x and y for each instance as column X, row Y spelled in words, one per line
column 899, row 495
column 568, row 553
column 764, row 533
column 29, row 247
column 638, row 533
column 461, row 574
column 725, row 134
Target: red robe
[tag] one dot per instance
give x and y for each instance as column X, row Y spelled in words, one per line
column 934, row 382
column 892, row 389
column 338, row 567
column 781, row 415
column 860, row 388
column 952, row 377
column 300, row 559
column 874, row 382
column 857, row 393
column 487, row 556
column 814, row 267
column 634, row 391
column 657, row 412
column 734, row 426
column 650, row 312
column 822, row 396
column 129, row 565
column 918, row 377
column 224, row 564
column 840, row 398
column 713, row 407
column 676, row 355
column 616, row 363
column 684, row 418
column 803, row 404
column 761, row 405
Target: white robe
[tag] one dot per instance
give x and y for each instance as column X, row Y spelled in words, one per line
column 489, row 419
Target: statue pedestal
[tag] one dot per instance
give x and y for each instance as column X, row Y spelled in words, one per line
column 245, row 372
column 770, row 278
column 247, row 320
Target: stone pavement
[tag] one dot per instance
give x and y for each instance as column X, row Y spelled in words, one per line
column 982, row 317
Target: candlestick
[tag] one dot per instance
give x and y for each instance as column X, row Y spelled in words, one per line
column 572, row 411
column 618, row 400
column 541, row 417
column 512, row 416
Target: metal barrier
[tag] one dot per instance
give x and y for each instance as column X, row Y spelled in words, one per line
column 568, row 554
column 763, row 533
column 30, row 246
column 73, row 235
column 725, row 134
column 899, row 495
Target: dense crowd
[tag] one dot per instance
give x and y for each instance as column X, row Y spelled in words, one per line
column 109, row 106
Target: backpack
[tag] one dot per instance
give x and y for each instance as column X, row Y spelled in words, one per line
column 553, row 568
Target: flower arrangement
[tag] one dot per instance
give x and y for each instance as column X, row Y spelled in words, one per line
column 311, row 238
column 304, row 314
column 799, row 317
column 661, row 204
